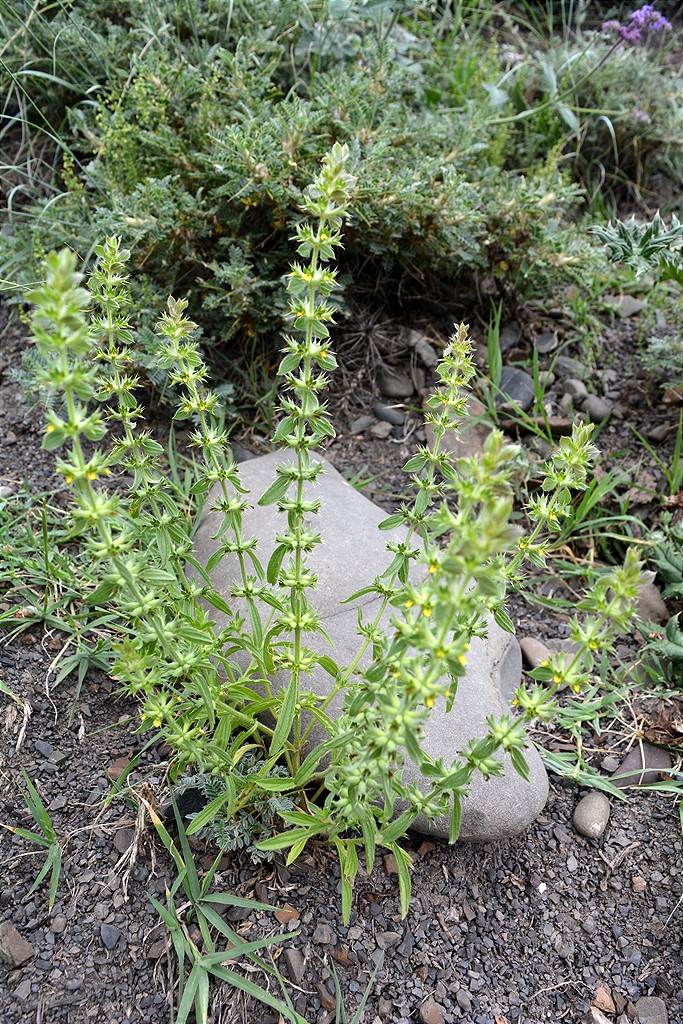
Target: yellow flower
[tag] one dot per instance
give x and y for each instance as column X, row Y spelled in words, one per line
column 430, row 702
column 427, row 611
column 409, row 603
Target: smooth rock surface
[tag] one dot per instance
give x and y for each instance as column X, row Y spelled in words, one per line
column 516, row 389
column 597, row 408
column 534, row 652
column 393, row 384
column 651, row 607
column 352, row 553
column 642, row 765
column 591, row 815
column 652, row 1010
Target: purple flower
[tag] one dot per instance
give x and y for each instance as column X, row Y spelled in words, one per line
column 645, row 19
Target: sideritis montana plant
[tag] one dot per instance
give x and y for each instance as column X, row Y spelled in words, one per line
column 209, row 692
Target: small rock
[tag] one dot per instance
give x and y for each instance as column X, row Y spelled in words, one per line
column 327, row 1000
column 388, row 414
column 58, row 924
column 431, row 1012
column 360, row 424
column 124, row 839
column 597, row 1016
column 393, row 384
column 509, row 337
column 576, row 388
column 118, row 767
column 603, row 999
column 5, row 491
column 424, row 350
column 651, row 1010
column 390, row 865
column 565, row 366
column 534, row 652
column 644, row 764
column 624, row 305
column 638, row 883
column 295, row 964
column 516, row 389
column 598, row 409
column 661, row 431
column 15, row 950
column 381, row 431
column 663, row 986
column 673, row 396
column 462, row 998
column 43, row 748
column 157, row 949
column 23, row 990
column 324, row 934
column 592, row 814
column 73, row 984
column 651, row 607
column 287, row 914
column 609, row 764
column 110, row 935
column 546, row 342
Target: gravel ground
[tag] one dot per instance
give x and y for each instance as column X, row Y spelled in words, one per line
column 550, row 926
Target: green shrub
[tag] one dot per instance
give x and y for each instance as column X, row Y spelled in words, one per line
column 192, row 139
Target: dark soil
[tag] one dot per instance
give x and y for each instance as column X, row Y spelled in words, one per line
column 525, row 930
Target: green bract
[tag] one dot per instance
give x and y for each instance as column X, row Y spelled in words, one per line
column 210, row 692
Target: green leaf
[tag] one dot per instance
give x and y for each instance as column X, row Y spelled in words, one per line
column 256, row 992
column 503, row 620
column 276, row 491
column 209, row 812
column 403, row 864
column 456, row 819
column 293, row 835
column 391, row 523
column 285, row 718
column 275, row 563
column 397, row 829
column 519, row 763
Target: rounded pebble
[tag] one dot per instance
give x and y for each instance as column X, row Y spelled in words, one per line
column 592, row 814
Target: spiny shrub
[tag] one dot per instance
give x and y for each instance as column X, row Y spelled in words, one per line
column 211, row 693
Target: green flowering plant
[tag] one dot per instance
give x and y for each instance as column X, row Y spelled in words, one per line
column 211, row 692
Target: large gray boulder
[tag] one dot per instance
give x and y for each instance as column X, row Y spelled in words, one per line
column 352, row 553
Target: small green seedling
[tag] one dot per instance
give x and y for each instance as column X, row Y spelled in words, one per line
column 48, row 839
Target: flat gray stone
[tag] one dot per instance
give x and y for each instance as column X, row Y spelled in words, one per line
column 566, row 366
column 576, row 388
column 388, row 414
column 393, row 384
column 509, row 337
column 652, row 1010
column 546, row 342
column 642, row 765
column 598, row 409
column 516, row 389
column 352, row 554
